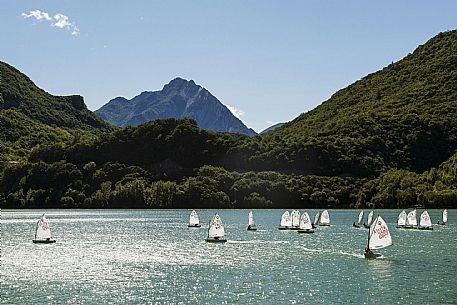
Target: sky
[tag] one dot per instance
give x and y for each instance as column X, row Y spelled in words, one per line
column 268, row 61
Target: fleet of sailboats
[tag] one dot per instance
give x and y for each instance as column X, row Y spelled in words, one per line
column 194, row 222
column 43, row 232
column 378, row 234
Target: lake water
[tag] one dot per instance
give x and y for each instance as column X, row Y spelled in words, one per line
column 151, row 257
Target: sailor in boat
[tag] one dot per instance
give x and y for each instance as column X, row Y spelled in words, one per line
column 370, row 254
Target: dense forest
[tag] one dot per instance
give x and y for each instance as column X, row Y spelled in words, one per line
column 386, row 141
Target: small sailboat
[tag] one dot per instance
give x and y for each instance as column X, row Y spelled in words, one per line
column 295, row 220
column 369, row 220
column 251, row 223
column 286, row 221
column 425, row 222
column 43, row 232
column 194, row 222
column 316, row 219
column 401, row 222
column 378, row 238
column 444, row 218
column 359, row 220
column 305, row 224
column 216, row 231
column 325, row 219
column 411, row 220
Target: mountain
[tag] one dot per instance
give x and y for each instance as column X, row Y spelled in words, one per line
column 31, row 116
column 178, row 99
column 403, row 116
column 273, row 127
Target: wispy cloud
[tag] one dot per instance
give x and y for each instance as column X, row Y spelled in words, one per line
column 59, row 20
column 236, row 112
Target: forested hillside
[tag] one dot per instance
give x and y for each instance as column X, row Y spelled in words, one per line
column 30, row 116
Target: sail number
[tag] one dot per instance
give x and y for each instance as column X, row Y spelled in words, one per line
column 382, row 232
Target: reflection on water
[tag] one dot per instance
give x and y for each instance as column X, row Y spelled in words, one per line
column 149, row 257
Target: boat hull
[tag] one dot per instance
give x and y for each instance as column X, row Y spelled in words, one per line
column 294, row 228
column 426, row 228
column 251, row 228
column 305, row 231
column 399, row 226
column 213, row 240
column 283, row 228
column 355, row 225
column 371, row 255
column 324, row 225
column 40, row 241
column 194, row 226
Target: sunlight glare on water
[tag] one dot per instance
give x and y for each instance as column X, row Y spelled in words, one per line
column 151, row 257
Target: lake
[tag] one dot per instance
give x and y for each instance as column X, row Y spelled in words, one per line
column 151, row 257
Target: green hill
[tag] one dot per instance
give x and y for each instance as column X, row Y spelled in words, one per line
column 30, row 116
column 404, row 116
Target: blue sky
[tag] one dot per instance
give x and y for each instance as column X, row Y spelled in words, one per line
column 271, row 60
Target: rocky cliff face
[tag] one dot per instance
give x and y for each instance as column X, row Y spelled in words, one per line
column 178, row 99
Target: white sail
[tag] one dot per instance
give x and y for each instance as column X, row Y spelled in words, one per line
column 425, row 221
column 325, row 218
column 379, row 236
column 286, row 220
column 411, row 219
column 295, row 218
column 43, row 231
column 251, row 219
column 445, row 216
column 360, row 217
column 305, row 222
column 316, row 218
column 370, row 218
column 193, row 219
column 401, row 218
column 216, row 228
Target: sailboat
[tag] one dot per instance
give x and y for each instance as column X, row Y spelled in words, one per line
column 216, row 230
column 43, row 232
column 401, row 222
column 444, row 218
column 411, row 221
column 286, row 221
column 295, row 220
column 359, row 221
column 194, row 222
column 369, row 220
column 251, row 223
column 425, row 222
column 325, row 219
column 316, row 220
column 378, row 238
column 305, row 224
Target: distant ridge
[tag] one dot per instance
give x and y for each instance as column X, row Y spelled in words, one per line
column 178, row 99
column 271, row 128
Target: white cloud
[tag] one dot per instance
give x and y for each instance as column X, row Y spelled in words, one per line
column 236, row 112
column 59, row 20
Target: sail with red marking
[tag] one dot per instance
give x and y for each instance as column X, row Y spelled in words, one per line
column 379, row 234
column 216, row 228
column 325, row 218
column 425, row 221
column 286, row 220
column 305, row 222
column 43, row 231
column 401, row 219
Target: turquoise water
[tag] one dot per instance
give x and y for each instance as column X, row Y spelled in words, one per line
column 151, row 257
